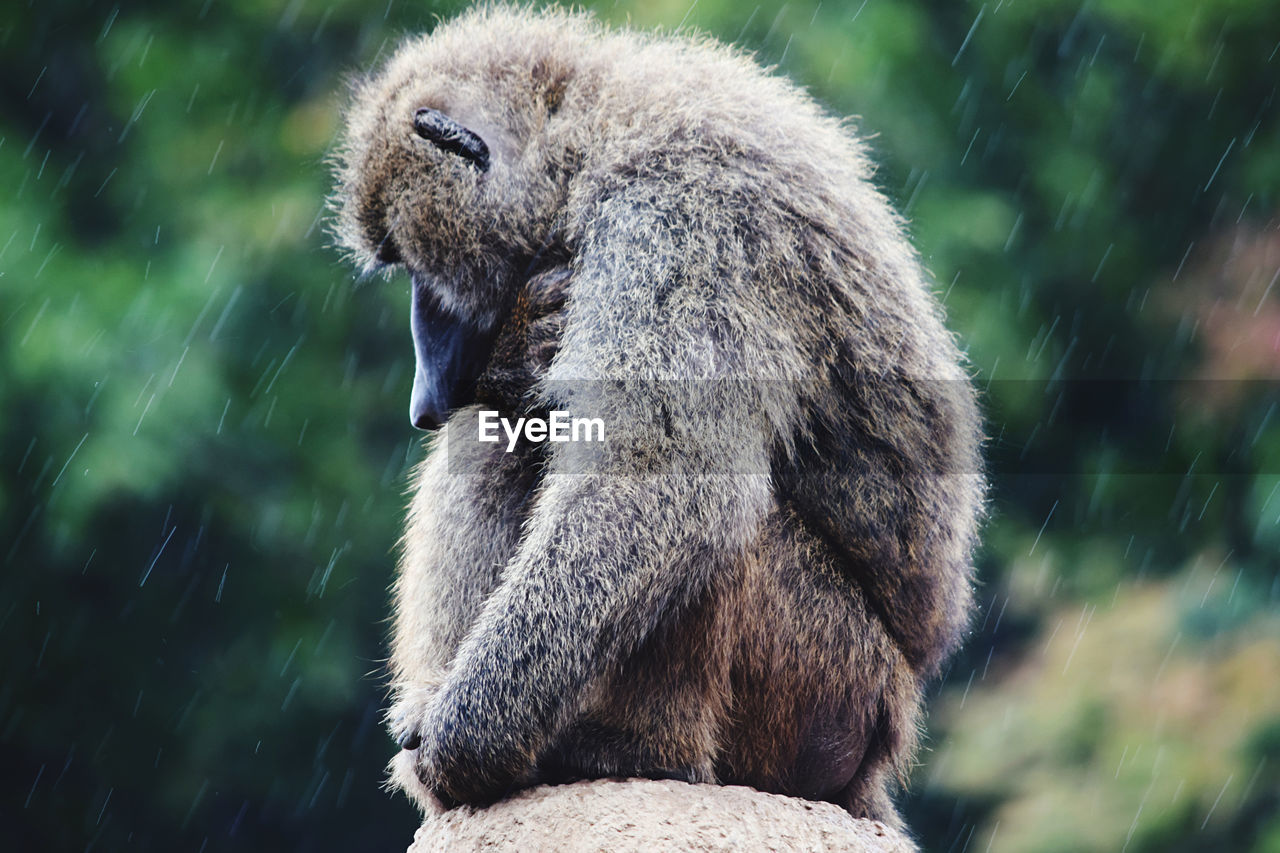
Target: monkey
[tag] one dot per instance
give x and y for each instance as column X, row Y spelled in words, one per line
column 755, row 577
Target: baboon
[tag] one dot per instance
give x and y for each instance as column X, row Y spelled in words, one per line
column 754, row 577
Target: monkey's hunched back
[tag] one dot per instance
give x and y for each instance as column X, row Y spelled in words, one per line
column 662, row 213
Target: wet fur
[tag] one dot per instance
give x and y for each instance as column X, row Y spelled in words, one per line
column 660, row 207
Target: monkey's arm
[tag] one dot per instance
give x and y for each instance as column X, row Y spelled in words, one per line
column 617, row 541
column 463, row 527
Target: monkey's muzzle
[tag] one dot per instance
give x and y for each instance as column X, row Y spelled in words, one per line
column 450, row 351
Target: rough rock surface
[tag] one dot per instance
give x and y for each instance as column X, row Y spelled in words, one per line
column 645, row 815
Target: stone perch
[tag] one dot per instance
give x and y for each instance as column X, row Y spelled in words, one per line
column 652, row 816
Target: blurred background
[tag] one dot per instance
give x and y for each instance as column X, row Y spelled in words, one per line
column 204, row 440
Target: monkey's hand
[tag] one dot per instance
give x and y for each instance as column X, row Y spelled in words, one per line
column 436, row 766
column 545, row 295
column 526, row 343
column 407, row 720
column 407, row 716
column 437, row 749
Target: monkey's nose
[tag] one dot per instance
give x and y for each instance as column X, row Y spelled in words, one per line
column 428, row 405
column 423, row 421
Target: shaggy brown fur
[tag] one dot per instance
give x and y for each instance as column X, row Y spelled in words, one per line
column 755, row 578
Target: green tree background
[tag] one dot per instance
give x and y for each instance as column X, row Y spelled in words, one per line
column 203, row 444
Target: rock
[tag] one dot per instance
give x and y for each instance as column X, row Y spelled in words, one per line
column 647, row 815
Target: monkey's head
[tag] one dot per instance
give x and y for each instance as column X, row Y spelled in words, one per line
column 454, row 164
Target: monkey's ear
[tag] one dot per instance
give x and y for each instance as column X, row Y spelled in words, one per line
column 450, row 352
column 447, row 135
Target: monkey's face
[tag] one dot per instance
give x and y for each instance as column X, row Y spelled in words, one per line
column 451, row 172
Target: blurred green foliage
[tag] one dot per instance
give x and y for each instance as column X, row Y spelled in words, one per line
column 204, row 442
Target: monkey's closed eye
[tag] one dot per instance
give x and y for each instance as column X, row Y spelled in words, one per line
column 446, row 134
